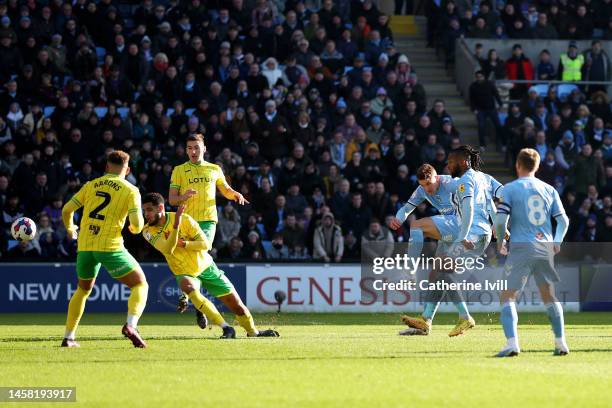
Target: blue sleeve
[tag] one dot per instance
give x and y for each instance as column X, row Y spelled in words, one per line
column 505, row 204
column 496, row 187
column 557, row 206
column 465, row 188
column 417, row 197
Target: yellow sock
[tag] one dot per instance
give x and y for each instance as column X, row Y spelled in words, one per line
column 76, row 307
column 247, row 323
column 137, row 302
column 207, row 307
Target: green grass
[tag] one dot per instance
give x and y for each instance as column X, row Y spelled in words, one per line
column 344, row 360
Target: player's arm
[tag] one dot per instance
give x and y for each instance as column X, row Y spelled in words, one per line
column 70, row 208
column 174, row 196
column 558, row 213
column 501, row 221
column 198, row 240
column 167, row 245
column 135, row 214
column 403, row 213
column 228, row 192
column 466, row 194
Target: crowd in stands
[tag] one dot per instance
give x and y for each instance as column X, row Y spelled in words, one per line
column 569, row 123
column 310, row 110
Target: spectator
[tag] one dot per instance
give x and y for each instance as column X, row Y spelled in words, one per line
column 518, row 67
column 494, row 67
column 328, row 240
column 377, row 240
column 483, row 97
column 229, row 225
column 596, row 67
column 566, row 151
column 545, row 69
column 278, row 250
column 587, row 171
column 570, row 64
column 22, row 252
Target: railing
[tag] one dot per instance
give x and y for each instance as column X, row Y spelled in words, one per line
column 466, row 65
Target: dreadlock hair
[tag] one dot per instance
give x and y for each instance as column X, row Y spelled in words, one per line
column 470, row 154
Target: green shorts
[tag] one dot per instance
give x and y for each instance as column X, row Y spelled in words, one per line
column 213, row 280
column 209, row 228
column 117, row 264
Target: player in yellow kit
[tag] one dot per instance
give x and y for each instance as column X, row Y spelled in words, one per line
column 185, row 246
column 195, row 185
column 107, row 201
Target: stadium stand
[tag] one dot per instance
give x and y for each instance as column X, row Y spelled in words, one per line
column 311, row 109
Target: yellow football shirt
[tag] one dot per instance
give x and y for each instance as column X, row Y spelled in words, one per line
column 204, row 178
column 182, row 261
column 106, row 203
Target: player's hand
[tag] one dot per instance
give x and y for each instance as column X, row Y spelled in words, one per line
column 179, row 215
column 507, row 236
column 502, row 248
column 181, row 243
column 395, row 224
column 239, row 198
column 189, row 193
column 72, row 233
column 467, row 244
column 556, row 248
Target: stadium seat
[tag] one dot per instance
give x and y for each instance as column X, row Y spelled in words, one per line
column 541, row 89
column 189, row 111
column 169, row 112
column 502, row 117
column 564, row 90
column 48, row 111
column 123, row 112
column 101, row 111
column 100, row 53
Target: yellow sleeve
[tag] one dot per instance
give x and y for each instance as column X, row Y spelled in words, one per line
column 176, row 179
column 135, row 213
column 159, row 242
column 221, row 181
column 70, row 208
column 197, row 239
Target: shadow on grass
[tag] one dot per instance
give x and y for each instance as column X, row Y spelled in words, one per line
column 301, row 319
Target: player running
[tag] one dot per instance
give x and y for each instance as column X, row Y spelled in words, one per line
column 194, row 184
column 106, row 202
column 185, row 246
column 529, row 204
column 466, row 236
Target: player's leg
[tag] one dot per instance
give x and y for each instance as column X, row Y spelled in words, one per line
column 553, row 308
column 87, row 270
column 218, row 285
column 466, row 322
column 509, row 321
column 122, row 266
column 191, row 286
column 209, row 228
column 419, row 230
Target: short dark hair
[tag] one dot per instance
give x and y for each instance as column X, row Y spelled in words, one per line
column 119, row 158
column 153, row 198
column 198, row 137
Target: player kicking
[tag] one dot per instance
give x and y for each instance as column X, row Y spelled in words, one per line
column 466, row 236
column 185, row 246
column 529, row 204
column 106, row 202
column 438, row 190
column 195, row 184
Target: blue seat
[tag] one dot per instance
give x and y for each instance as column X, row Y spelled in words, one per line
column 541, row 89
column 502, row 117
column 101, row 111
column 189, row 111
column 169, row 111
column 100, row 53
column 564, row 90
column 48, row 111
column 123, row 112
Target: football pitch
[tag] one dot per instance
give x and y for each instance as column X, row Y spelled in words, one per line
column 339, row 360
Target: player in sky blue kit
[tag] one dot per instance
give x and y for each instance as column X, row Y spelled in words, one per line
column 530, row 205
column 440, row 191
